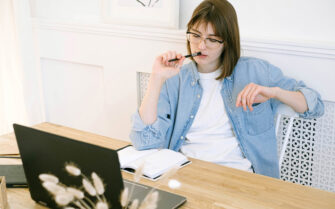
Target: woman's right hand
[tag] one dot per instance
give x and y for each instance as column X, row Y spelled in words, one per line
column 162, row 69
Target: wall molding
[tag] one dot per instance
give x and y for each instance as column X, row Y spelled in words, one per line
column 178, row 36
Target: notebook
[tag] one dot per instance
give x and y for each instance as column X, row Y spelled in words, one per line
column 155, row 161
column 43, row 152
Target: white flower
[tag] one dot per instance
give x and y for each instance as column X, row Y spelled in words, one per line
column 174, row 184
column 101, row 205
column 89, row 187
column 150, row 201
column 48, row 178
column 53, row 188
column 134, row 204
column 124, row 197
column 75, row 192
column 73, row 170
column 169, row 173
column 63, row 198
column 97, row 182
column 139, row 172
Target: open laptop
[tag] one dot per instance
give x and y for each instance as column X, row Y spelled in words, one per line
column 43, row 152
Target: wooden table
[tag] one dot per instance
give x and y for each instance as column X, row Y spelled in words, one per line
column 206, row 185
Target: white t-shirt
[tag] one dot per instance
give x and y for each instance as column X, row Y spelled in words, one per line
column 211, row 137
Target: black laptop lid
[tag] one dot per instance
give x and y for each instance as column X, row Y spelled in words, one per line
column 43, row 152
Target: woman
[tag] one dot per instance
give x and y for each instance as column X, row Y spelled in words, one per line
column 220, row 107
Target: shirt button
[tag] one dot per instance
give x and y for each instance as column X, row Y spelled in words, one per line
column 191, row 116
column 198, row 96
column 181, row 137
column 193, row 83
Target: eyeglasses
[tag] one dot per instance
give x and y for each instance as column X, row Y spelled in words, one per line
column 194, row 38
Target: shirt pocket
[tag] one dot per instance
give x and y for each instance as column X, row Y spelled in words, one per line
column 260, row 119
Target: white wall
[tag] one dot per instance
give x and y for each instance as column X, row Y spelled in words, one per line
column 89, row 69
column 28, row 49
column 303, row 21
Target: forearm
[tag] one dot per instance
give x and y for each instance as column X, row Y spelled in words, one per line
column 294, row 99
column 148, row 108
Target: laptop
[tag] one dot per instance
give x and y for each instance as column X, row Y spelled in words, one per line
column 14, row 176
column 43, row 152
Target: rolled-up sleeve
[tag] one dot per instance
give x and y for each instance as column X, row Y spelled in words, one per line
column 313, row 98
column 145, row 136
column 314, row 103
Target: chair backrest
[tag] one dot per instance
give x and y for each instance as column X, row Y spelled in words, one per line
column 309, row 149
column 308, row 157
column 142, row 83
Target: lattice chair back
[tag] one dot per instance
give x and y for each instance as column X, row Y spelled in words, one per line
column 307, row 149
column 142, row 83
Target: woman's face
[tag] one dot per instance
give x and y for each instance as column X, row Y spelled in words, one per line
column 209, row 60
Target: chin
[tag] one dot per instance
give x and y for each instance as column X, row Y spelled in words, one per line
column 201, row 61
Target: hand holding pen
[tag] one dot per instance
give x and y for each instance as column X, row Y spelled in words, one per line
column 186, row 56
column 169, row 63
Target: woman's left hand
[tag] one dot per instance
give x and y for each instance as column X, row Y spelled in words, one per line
column 254, row 93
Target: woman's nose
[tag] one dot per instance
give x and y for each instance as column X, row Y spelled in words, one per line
column 202, row 44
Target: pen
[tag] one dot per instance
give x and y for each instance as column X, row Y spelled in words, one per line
column 186, row 56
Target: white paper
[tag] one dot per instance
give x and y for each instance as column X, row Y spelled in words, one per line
column 156, row 162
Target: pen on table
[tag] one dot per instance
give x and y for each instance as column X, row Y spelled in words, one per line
column 186, row 56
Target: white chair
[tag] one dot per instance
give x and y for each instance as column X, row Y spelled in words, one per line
column 142, row 83
column 306, row 151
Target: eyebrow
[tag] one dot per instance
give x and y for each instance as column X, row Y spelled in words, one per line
column 201, row 33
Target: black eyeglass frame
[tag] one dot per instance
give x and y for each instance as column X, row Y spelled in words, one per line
column 211, row 39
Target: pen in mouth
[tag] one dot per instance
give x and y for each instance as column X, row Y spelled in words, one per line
column 186, row 56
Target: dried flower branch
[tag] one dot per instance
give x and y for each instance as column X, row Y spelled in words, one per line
column 53, row 188
column 101, row 205
column 137, row 177
column 124, row 197
column 134, row 204
column 67, row 196
column 89, row 187
column 73, row 170
column 150, row 201
column 48, row 178
column 98, row 185
column 63, row 198
column 75, row 192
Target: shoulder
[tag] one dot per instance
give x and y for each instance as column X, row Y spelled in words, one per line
column 249, row 69
column 251, row 63
column 250, row 66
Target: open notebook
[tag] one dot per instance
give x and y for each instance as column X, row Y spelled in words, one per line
column 156, row 161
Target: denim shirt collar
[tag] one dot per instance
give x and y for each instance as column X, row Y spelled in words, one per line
column 195, row 73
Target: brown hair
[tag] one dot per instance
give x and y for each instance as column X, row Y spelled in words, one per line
column 221, row 14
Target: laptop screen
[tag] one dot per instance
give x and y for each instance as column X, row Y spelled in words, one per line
column 46, row 153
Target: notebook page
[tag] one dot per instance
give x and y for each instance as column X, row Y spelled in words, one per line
column 130, row 154
column 159, row 162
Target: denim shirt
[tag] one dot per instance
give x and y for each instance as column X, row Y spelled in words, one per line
column 180, row 98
